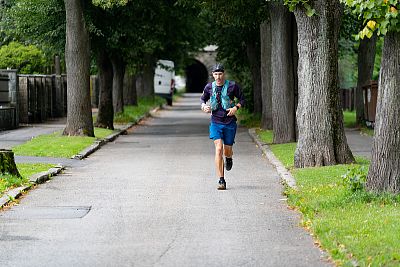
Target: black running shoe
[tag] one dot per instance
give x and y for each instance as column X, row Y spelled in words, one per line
column 221, row 184
column 228, row 164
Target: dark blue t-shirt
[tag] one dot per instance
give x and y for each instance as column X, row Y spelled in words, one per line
column 220, row 115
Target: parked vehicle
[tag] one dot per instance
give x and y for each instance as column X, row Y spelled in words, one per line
column 164, row 83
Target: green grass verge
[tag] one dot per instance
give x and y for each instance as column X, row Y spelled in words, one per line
column 8, row 182
column 357, row 228
column 58, row 146
column 367, row 131
column 248, row 119
column 265, row 136
column 284, row 153
column 133, row 113
column 349, row 119
column 251, row 120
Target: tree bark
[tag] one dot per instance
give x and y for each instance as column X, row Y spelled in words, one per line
column 384, row 171
column 139, row 85
column 57, row 65
column 253, row 55
column 7, row 163
column 295, row 62
column 283, row 81
column 77, row 57
column 130, row 95
column 148, row 76
column 266, row 73
column 322, row 139
column 118, row 65
column 105, row 116
column 366, row 60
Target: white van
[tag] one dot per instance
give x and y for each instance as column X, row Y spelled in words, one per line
column 164, row 83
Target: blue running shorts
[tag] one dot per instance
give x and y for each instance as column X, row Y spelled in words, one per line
column 226, row 132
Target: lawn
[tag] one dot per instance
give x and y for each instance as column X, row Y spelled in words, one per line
column 349, row 119
column 357, row 228
column 58, row 146
column 133, row 113
column 8, row 182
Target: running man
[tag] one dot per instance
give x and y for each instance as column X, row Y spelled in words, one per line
column 222, row 94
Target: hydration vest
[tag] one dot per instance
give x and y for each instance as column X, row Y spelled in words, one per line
column 225, row 100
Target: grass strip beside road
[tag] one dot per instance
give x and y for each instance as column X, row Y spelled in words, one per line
column 349, row 121
column 133, row 113
column 57, row 145
column 8, row 182
column 357, row 228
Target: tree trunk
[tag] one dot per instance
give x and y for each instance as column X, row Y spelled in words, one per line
column 283, row 82
column 105, row 116
column 266, row 73
column 384, row 171
column 322, row 140
column 77, row 57
column 130, row 95
column 118, row 83
column 7, row 163
column 57, row 65
column 139, row 85
column 366, row 59
column 148, row 77
column 295, row 62
column 253, row 55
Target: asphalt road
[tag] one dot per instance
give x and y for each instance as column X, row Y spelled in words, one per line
column 150, row 199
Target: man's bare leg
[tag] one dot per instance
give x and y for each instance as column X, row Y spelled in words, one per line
column 228, row 151
column 219, row 161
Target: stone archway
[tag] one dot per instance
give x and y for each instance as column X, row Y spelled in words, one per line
column 196, row 77
column 198, row 73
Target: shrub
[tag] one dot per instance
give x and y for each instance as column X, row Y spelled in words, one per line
column 27, row 59
column 355, row 178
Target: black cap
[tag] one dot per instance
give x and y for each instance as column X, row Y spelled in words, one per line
column 218, row 68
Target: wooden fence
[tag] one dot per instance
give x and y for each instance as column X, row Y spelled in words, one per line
column 42, row 97
column 370, row 96
column 8, row 99
column 348, row 98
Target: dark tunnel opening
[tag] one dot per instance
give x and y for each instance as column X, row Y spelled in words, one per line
column 196, row 77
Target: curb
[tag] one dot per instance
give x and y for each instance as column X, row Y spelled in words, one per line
column 99, row 143
column 38, row 178
column 285, row 175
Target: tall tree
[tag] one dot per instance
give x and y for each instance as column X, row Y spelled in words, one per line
column 365, row 49
column 105, row 116
column 283, row 74
column 253, row 50
column 119, row 67
column 77, row 57
column 130, row 94
column 365, row 63
column 266, row 73
column 384, row 170
column 321, row 139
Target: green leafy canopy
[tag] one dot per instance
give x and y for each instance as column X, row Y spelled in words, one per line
column 109, row 3
column 27, row 59
column 378, row 15
column 292, row 4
